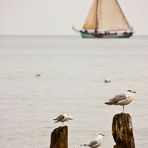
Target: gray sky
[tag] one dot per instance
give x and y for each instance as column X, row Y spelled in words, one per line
column 58, row 16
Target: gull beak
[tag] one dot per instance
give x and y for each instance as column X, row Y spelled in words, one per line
column 71, row 118
column 132, row 91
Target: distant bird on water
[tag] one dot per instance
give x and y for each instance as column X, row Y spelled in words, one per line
column 96, row 142
column 62, row 118
column 122, row 99
column 107, row 81
column 37, row 75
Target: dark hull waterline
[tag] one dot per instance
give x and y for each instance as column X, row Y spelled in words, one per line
column 104, row 35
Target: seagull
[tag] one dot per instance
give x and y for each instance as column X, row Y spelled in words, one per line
column 96, row 142
column 62, row 118
column 37, row 75
column 107, row 81
column 122, row 99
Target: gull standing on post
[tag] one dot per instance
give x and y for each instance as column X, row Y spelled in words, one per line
column 96, row 142
column 122, row 99
column 62, row 118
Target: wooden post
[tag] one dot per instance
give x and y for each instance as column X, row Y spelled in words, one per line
column 59, row 137
column 122, row 131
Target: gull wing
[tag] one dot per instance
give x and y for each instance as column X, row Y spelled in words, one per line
column 118, row 98
column 94, row 144
column 60, row 117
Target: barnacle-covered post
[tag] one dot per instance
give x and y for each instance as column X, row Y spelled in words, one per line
column 122, row 131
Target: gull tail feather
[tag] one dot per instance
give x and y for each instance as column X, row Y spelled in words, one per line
column 84, row 145
column 55, row 121
column 108, row 103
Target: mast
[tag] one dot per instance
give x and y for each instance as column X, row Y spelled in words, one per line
column 99, row 13
column 96, row 27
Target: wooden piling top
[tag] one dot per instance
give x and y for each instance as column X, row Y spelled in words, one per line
column 59, row 137
column 122, row 131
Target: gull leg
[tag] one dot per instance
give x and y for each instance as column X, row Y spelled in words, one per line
column 123, row 108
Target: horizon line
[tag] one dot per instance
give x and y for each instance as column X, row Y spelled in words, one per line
column 54, row 35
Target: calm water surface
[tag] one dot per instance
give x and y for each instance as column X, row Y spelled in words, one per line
column 72, row 73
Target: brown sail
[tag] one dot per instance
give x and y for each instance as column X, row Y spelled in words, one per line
column 106, row 15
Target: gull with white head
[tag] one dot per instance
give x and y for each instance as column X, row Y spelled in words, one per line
column 62, row 118
column 96, row 142
column 122, row 99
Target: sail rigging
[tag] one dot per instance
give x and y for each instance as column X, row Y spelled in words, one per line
column 106, row 15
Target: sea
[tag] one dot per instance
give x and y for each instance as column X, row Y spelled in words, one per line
column 43, row 76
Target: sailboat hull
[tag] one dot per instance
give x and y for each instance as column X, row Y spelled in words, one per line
column 101, row 35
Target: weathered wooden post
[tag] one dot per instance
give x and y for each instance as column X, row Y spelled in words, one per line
column 122, row 131
column 59, row 137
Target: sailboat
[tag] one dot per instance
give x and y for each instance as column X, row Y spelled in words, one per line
column 105, row 20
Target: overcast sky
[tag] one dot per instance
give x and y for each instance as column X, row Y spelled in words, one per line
column 47, row 17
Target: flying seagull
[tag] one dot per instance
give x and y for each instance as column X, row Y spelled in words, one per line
column 96, row 142
column 122, row 99
column 62, row 118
